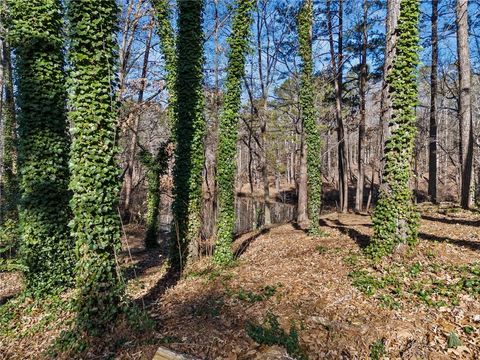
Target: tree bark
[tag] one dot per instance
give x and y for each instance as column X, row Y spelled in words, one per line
column 432, row 146
column 302, row 210
column 393, row 12
column 337, row 67
column 465, row 115
column 361, row 127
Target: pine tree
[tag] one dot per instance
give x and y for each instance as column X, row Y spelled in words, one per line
column 94, row 182
column 189, row 134
column 396, row 219
column 466, row 139
column 228, row 129
column 36, row 35
column 311, row 130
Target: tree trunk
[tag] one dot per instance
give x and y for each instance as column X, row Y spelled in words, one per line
column 393, row 12
column 465, row 115
column 361, row 127
column 432, row 148
column 302, row 210
column 266, row 186
column 337, row 67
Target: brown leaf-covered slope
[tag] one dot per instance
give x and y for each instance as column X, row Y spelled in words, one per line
column 341, row 303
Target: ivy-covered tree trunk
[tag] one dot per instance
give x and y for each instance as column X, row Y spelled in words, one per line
column 189, row 134
column 94, row 182
column 36, row 35
column 8, row 209
column 228, row 129
column 310, row 127
column 155, row 168
column 395, row 219
column 393, row 9
column 166, row 34
column 167, row 47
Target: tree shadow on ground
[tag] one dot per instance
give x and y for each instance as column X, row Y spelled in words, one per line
column 452, row 221
column 170, row 279
column 145, row 260
column 473, row 245
column 245, row 244
column 363, row 240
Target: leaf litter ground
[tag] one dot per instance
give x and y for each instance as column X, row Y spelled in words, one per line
column 418, row 303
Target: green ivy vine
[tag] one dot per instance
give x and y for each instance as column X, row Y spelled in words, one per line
column 228, row 129
column 310, row 127
column 155, row 168
column 189, row 130
column 396, row 218
column 95, row 174
column 35, row 33
column 167, row 46
column 8, row 208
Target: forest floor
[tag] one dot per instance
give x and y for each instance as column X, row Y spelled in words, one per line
column 420, row 303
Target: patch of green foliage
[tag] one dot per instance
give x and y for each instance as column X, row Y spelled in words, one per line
column 395, row 283
column 369, row 284
column 270, row 333
column 9, row 238
column 189, row 132
column 311, row 131
column 453, row 341
column 94, row 170
column 228, row 130
column 377, row 350
column 389, row 302
column 321, row 249
column 396, row 218
column 35, row 33
column 252, row 297
column 351, row 259
column 16, row 314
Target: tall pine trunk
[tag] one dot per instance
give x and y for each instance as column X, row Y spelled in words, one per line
column 311, row 134
column 363, row 101
column 337, row 68
column 432, row 146
column 465, row 104
column 393, row 12
column 302, row 203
